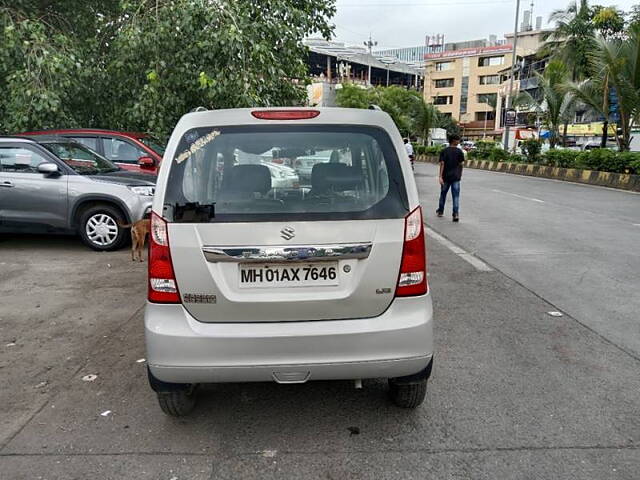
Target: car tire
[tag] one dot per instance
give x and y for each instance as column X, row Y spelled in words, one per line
column 100, row 230
column 178, row 403
column 409, row 395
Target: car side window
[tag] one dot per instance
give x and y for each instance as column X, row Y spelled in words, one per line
column 20, row 160
column 91, row 142
column 118, row 150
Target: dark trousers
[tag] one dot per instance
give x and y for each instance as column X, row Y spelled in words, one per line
column 455, row 194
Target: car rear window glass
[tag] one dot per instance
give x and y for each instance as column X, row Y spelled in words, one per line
column 91, row 142
column 270, row 173
column 153, row 144
column 122, row 151
column 80, row 158
column 19, row 160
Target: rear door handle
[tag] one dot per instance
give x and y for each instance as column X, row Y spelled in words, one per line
column 7, row 184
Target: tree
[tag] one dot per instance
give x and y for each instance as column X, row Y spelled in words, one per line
column 141, row 64
column 555, row 105
column 616, row 63
column 43, row 61
column 608, row 21
column 427, row 117
column 594, row 93
column 491, row 101
column 175, row 55
column 572, row 39
column 350, row 95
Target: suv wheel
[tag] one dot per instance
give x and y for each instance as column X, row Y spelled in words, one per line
column 99, row 228
column 178, row 403
column 409, row 395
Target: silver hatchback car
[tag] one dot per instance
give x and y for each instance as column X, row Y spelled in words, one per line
column 321, row 280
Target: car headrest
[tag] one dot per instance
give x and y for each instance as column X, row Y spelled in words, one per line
column 248, row 179
column 126, row 152
column 336, row 177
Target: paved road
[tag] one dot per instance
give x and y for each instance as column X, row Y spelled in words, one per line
column 576, row 246
column 515, row 393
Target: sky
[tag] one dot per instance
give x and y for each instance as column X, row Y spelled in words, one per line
column 405, row 23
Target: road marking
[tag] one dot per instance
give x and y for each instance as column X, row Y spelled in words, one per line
column 636, row 224
column 466, row 256
column 519, row 196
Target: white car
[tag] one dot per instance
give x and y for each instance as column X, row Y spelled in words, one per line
column 251, row 283
column 282, row 176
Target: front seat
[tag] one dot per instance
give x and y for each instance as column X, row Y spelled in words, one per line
column 126, row 152
column 244, row 181
column 334, row 177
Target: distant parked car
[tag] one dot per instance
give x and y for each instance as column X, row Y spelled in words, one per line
column 129, row 150
column 54, row 184
column 596, row 145
column 304, row 164
column 282, row 176
column 468, row 145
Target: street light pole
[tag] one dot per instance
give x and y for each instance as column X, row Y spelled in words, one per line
column 370, row 44
column 513, row 66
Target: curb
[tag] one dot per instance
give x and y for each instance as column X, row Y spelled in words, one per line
column 623, row 181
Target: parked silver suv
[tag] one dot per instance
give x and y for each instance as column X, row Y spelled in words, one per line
column 325, row 279
column 54, row 184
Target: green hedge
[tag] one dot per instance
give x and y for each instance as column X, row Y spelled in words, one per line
column 424, row 150
column 487, row 150
column 600, row 159
column 561, row 158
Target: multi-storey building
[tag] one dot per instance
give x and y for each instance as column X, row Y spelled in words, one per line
column 468, row 84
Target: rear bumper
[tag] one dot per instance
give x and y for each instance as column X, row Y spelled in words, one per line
column 182, row 350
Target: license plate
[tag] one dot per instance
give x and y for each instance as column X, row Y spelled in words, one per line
column 292, row 275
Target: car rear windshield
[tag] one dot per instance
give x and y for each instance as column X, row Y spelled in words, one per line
column 274, row 173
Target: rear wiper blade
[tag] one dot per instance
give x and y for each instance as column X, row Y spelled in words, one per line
column 194, row 212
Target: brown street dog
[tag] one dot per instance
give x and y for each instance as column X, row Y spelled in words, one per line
column 139, row 231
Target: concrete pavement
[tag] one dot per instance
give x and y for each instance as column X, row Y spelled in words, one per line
column 515, row 393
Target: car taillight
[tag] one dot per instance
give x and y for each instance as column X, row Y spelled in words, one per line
column 285, row 114
column 413, row 269
column 162, row 280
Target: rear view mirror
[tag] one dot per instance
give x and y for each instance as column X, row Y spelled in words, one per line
column 146, row 162
column 48, row 168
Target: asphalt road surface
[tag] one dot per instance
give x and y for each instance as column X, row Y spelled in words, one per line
column 515, row 393
column 576, row 246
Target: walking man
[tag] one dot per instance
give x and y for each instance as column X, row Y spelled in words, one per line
column 451, row 160
column 409, row 148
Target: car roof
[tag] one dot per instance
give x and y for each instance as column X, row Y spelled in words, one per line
column 85, row 131
column 14, row 138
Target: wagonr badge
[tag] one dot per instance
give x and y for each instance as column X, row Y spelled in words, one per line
column 287, row 233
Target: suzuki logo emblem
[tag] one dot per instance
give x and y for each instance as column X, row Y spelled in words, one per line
column 287, row 233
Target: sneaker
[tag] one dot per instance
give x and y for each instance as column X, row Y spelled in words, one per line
column 456, row 218
column 440, row 213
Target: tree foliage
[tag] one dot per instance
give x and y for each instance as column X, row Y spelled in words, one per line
column 556, row 104
column 411, row 114
column 616, row 65
column 572, row 38
column 141, row 64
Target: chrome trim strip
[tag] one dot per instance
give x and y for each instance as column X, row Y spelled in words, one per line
column 288, row 253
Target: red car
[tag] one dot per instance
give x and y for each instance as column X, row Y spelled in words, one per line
column 131, row 151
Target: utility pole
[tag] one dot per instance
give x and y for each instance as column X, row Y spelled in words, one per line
column 370, row 44
column 513, row 68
